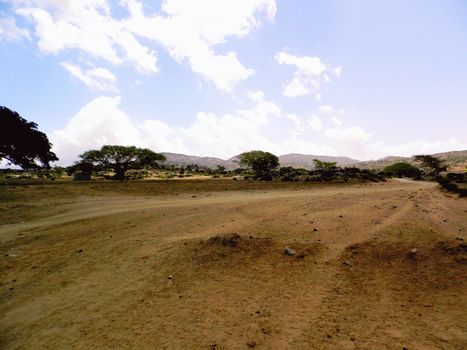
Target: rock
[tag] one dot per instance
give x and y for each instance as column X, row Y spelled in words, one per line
column 347, row 263
column 170, row 277
column 289, row 251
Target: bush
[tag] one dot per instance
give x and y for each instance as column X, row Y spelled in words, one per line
column 403, row 169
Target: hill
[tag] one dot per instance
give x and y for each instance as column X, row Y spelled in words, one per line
column 293, row 159
column 456, row 161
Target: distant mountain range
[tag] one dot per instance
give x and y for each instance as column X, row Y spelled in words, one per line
column 457, row 160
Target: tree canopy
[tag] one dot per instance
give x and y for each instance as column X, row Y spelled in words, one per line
column 435, row 165
column 403, row 169
column 21, row 143
column 262, row 163
column 324, row 165
column 120, row 159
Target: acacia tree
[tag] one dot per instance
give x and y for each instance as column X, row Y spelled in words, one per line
column 262, row 163
column 120, row 159
column 319, row 164
column 21, row 143
column 436, row 165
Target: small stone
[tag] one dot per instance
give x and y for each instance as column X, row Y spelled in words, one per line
column 251, row 344
column 413, row 251
column 347, row 263
column 80, row 251
column 315, row 229
column 170, row 277
column 289, row 251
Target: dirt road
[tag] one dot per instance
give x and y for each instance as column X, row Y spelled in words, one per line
column 376, row 266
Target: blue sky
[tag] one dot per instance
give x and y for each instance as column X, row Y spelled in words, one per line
column 359, row 78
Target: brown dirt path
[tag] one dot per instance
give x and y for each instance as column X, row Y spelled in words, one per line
column 141, row 272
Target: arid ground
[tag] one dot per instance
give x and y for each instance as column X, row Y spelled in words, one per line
column 201, row 265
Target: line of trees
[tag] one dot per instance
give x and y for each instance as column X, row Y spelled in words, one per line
column 22, row 144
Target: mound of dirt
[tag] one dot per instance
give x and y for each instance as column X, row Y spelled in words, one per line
column 393, row 288
column 254, row 247
column 431, row 264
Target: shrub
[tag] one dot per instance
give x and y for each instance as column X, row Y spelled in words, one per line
column 403, row 169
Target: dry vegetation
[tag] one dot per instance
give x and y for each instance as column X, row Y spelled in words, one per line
column 201, row 265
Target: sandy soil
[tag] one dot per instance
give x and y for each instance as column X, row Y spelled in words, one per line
column 377, row 266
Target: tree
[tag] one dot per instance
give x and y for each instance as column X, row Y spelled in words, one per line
column 401, row 169
column 220, row 169
column 436, row 165
column 262, row 163
column 324, row 165
column 120, row 159
column 21, row 143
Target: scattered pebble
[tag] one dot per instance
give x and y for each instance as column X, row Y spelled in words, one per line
column 289, row 251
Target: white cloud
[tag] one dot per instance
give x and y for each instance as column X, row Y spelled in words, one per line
column 336, row 121
column 315, row 123
column 98, row 123
column 350, row 141
column 326, row 109
column 99, row 79
column 189, row 30
column 86, row 25
column 102, row 121
column 309, row 74
column 9, row 31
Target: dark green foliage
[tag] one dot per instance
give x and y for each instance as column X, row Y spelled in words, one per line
column 435, row 165
column 289, row 173
column 402, row 169
column 21, row 143
column 452, row 187
column 264, row 164
column 320, row 165
column 120, row 159
column 330, row 175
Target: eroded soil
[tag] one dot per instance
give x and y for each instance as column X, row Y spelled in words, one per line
column 376, row 266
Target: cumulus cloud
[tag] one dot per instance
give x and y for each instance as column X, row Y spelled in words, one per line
column 188, row 30
column 315, row 123
column 309, row 74
column 9, row 31
column 86, row 25
column 99, row 79
column 102, row 121
column 98, row 123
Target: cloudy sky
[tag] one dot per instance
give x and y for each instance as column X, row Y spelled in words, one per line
column 358, row 78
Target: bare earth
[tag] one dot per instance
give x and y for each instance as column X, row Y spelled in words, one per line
column 377, row 266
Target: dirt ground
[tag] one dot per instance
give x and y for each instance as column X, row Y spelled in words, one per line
column 202, row 266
